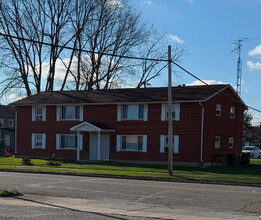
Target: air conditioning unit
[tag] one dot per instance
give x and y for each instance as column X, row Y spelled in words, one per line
column 38, row 117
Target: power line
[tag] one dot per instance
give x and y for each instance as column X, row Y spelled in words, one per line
column 126, row 57
column 82, row 50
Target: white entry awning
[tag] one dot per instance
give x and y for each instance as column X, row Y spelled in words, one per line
column 88, row 127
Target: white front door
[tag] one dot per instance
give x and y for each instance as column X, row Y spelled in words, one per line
column 104, row 146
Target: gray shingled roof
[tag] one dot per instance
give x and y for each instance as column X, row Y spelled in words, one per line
column 141, row 95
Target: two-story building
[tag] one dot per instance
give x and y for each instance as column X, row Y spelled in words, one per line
column 131, row 124
column 7, row 126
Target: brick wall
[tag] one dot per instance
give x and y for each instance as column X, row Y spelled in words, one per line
column 188, row 129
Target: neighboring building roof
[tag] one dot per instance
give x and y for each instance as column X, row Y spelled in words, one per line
column 7, row 111
column 129, row 95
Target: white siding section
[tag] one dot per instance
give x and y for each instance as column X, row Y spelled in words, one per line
column 33, row 141
column 145, row 112
column 58, row 113
column 118, row 112
column 118, row 144
column 33, row 113
column 144, row 147
column 162, row 143
column 81, row 113
column 57, row 141
column 177, row 111
column 163, row 112
column 176, row 144
column 44, row 141
column 44, row 113
column 81, row 141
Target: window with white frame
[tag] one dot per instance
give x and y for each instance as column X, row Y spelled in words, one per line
column 68, row 141
column 218, row 110
column 7, row 140
column 38, row 113
column 70, row 112
column 175, row 109
column 231, row 142
column 232, row 112
column 217, row 141
column 11, row 123
column 38, row 141
column 164, row 143
column 1, row 123
column 132, row 112
column 132, row 143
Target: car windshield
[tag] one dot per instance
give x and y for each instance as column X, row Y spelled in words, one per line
column 248, row 148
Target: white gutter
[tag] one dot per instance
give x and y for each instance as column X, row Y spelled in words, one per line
column 202, row 133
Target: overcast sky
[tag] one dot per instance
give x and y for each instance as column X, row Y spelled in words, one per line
column 206, row 28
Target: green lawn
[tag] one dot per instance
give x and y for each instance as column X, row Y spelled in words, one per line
column 249, row 174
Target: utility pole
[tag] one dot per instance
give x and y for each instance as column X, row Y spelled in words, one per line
column 239, row 62
column 170, row 133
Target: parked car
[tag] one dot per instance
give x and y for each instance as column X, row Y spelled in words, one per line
column 253, row 150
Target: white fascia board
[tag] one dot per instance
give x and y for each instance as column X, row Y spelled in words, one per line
column 83, row 124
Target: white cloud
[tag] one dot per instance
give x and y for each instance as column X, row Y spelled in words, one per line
column 191, row 1
column 253, row 66
column 175, row 38
column 255, row 51
column 256, row 118
column 209, row 82
column 146, row 2
column 114, row 4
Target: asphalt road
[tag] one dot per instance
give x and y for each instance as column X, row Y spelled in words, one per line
column 72, row 197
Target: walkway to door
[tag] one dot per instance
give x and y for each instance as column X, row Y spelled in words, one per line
column 99, row 140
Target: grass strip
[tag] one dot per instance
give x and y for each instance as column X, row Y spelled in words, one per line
column 10, row 193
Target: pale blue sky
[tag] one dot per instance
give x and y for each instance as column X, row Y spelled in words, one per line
column 207, row 27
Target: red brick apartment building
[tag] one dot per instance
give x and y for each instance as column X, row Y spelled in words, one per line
column 131, row 124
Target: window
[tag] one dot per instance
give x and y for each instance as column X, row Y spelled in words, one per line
column 11, row 123
column 39, row 113
column 70, row 112
column 164, row 143
column 175, row 109
column 7, row 140
column 1, row 123
column 217, row 142
column 232, row 112
column 231, row 142
column 172, row 110
column 132, row 112
column 38, row 141
column 132, row 143
column 68, row 141
column 218, row 110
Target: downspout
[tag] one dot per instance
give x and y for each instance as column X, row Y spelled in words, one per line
column 202, row 133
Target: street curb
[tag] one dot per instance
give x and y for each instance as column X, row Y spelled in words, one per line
column 133, row 178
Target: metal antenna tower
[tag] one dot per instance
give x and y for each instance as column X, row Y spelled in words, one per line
column 239, row 62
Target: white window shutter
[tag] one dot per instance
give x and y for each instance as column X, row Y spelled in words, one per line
column 57, row 141
column 81, row 141
column 118, row 112
column 145, row 112
column 44, row 113
column 176, row 144
column 81, row 113
column 33, row 141
column 118, row 143
column 44, row 141
column 177, row 111
column 163, row 112
column 144, row 147
column 162, row 143
column 58, row 113
column 33, row 113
